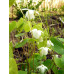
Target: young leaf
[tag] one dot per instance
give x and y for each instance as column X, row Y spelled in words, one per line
column 18, row 35
column 38, row 26
column 11, row 2
column 20, row 22
column 59, row 62
column 12, row 26
column 12, row 66
column 61, row 39
column 58, row 46
column 21, row 43
column 27, row 26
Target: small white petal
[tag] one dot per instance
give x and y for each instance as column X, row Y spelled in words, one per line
column 49, row 43
column 30, row 14
column 42, row 68
column 36, row 33
column 57, row 56
column 43, row 51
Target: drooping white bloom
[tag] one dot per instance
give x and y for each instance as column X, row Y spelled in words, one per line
column 30, row 14
column 49, row 43
column 36, row 33
column 42, row 68
column 43, row 51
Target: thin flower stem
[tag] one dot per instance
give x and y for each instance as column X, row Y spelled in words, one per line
column 33, row 56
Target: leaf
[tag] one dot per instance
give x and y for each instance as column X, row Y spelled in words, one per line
column 38, row 26
column 42, row 44
column 12, row 66
column 22, row 72
column 18, row 35
column 10, row 50
column 54, row 69
column 48, row 63
column 20, row 22
column 11, row 2
column 61, row 39
column 34, row 64
column 51, row 65
column 61, row 71
column 59, row 62
column 21, row 43
column 58, row 46
column 27, row 26
column 12, row 26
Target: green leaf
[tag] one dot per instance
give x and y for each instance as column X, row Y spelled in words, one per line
column 48, row 63
column 27, row 26
column 38, row 26
column 18, row 35
column 22, row 72
column 54, row 69
column 12, row 66
column 21, row 43
column 61, row 39
column 10, row 50
column 34, row 64
column 58, row 46
column 42, row 44
column 11, row 2
column 20, row 22
column 12, row 26
column 61, row 71
column 59, row 62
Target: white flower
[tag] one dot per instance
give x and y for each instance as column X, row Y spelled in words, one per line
column 43, row 51
column 36, row 33
column 30, row 14
column 49, row 43
column 56, row 56
column 42, row 68
column 18, row 1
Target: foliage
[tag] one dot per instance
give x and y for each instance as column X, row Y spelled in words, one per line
column 12, row 63
column 11, row 2
column 12, row 66
column 23, row 28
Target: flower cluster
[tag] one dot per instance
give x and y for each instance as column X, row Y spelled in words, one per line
column 43, row 50
column 37, row 35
